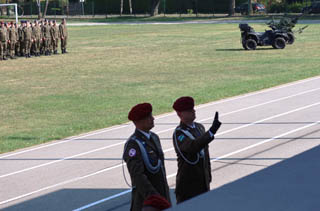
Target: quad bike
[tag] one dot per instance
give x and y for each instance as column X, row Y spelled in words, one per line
column 278, row 37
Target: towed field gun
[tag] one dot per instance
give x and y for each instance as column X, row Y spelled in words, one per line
column 281, row 33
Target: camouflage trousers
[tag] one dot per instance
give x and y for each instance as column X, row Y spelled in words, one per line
column 27, row 46
column 37, row 44
column 64, row 43
column 17, row 48
column 3, row 50
column 46, row 44
column 12, row 48
column 55, row 44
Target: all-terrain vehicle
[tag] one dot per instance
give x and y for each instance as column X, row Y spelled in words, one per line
column 279, row 36
column 251, row 39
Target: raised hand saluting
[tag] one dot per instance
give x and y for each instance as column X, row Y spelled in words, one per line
column 215, row 124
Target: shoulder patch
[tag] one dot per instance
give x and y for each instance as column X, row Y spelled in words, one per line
column 181, row 137
column 132, row 152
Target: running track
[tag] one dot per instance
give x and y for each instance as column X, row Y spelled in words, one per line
column 85, row 172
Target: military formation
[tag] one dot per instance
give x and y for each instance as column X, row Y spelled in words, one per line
column 32, row 38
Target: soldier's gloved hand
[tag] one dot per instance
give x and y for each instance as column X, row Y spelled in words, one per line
column 216, row 124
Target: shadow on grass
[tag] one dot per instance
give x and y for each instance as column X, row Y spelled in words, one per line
column 241, row 49
column 21, row 138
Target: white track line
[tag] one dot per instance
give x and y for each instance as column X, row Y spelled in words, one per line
column 58, row 184
column 103, row 200
column 166, row 115
column 219, row 158
column 158, row 132
column 119, row 165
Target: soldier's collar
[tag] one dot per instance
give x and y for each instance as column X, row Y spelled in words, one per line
column 145, row 133
column 192, row 126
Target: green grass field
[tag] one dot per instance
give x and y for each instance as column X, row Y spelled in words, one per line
column 111, row 68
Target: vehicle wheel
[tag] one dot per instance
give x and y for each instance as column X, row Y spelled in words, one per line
column 250, row 44
column 279, row 43
column 291, row 38
column 244, row 45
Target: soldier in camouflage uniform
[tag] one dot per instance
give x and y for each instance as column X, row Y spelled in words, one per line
column 27, row 33
column 21, row 37
column 63, row 35
column 32, row 49
column 17, row 46
column 12, row 40
column 7, row 51
column 55, row 37
column 46, row 37
column 42, row 50
column 3, row 41
column 37, row 36
column 50, row 37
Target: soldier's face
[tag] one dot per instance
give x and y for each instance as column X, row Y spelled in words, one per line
column 187, row 116
column 145, row 124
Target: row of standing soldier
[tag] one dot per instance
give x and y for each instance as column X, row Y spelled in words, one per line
column 37, row 38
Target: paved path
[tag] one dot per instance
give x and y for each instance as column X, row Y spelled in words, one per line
column 188, row 22
column 85, row 172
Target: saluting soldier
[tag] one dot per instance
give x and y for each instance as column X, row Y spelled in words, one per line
column 145, row 161
column 191, row 141
column 63, row 35
column 3, row 41
column 36, row 33
column 12, row 40
column 55, row 37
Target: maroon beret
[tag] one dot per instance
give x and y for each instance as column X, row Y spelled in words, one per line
column 183, row 104
column 157, row 201
column 140, row 111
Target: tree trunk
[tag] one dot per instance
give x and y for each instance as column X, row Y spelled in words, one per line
column 249, row 7
column 130, row 6
column 232, row 5
column 39, row 9
column 45, row 9
column 8, row 9
column 121, row 7
column 154, row 7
